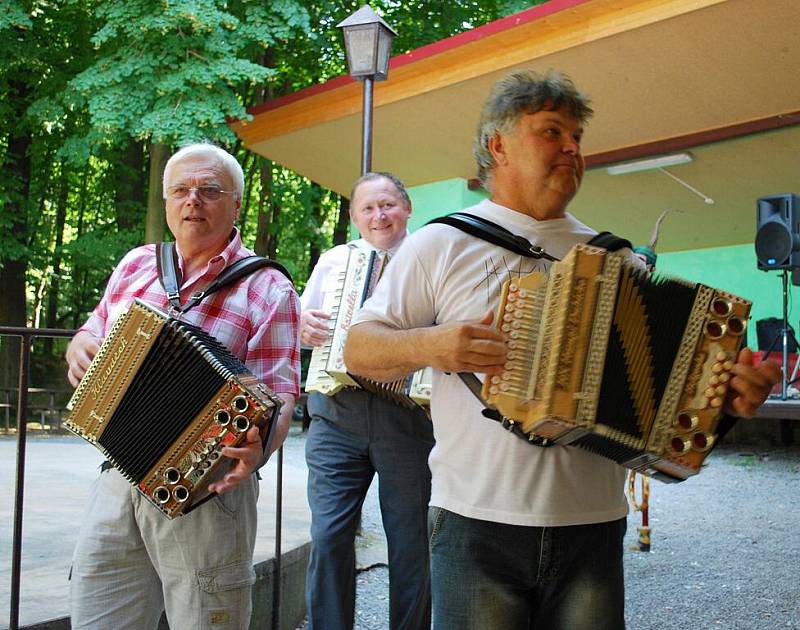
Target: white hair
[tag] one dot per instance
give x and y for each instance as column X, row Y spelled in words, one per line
column 224, row 160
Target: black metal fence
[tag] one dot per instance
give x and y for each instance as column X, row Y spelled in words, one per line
column 23, row 390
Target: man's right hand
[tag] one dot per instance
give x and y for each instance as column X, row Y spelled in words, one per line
column 79, row 355
column 314, row 327
column 475, row 346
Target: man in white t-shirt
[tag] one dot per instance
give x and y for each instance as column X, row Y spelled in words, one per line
column 354, row 435
column 520, row 536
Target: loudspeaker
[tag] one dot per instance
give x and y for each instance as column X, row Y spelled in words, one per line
column 778, row 232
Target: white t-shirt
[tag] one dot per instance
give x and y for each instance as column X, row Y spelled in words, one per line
column 479, row 469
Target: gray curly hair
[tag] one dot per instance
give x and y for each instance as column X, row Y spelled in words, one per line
column 523, row 92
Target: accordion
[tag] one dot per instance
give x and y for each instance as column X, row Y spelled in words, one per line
column 607, row 358
column 161, row 399
column 344, row 295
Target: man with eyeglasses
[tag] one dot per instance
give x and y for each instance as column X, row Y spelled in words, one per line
column 131, row 563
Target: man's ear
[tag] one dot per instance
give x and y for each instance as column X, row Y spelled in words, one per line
column 497, row 148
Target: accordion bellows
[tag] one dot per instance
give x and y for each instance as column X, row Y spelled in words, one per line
column 607, row 358
column 161, row 399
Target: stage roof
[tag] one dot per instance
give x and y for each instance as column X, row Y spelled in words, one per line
column 716, row 78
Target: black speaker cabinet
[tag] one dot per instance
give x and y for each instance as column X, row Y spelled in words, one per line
column 778, row 232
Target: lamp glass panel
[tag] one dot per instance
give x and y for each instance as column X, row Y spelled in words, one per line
column 384, row 51
column 361, row 48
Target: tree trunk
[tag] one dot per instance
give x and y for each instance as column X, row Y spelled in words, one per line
column 51, row 315
column 264, row 239
column 155, row 221
column 129, row 187
column 342, row 230
column 13, row 310
column 316, row 211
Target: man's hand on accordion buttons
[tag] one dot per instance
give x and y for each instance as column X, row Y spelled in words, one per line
column 79, row 355
column 246, row 458
column 474, row 346
column 750, row 385
column 314, row 327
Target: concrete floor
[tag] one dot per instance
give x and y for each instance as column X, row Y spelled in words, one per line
column 58, row 473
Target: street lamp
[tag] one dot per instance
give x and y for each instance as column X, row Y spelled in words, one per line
column 367, row 42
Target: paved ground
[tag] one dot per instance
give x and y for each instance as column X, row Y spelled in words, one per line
column 725, row 550
column 725, row 554
column 59, row 471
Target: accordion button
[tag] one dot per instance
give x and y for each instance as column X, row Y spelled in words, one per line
column 716, row 402
column 724, row 378
column 716, row 368
column 728, row 365
column 713, row 380
column 720, row 390
column 709, row 393
column 721, row 356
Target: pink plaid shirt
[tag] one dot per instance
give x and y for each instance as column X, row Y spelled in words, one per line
column 256, row 318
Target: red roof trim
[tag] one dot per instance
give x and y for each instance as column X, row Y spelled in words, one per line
column 436, row 48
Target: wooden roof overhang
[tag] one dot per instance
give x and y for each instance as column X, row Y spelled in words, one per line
column 716, row 77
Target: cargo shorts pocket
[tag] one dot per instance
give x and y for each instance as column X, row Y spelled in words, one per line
column 227, row 577
column 226, row 596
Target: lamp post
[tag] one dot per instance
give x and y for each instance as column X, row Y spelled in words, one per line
column 368, row 43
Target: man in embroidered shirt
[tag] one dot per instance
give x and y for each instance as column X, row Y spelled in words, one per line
column 521, row 537
column 355, row 434
column 131, row 563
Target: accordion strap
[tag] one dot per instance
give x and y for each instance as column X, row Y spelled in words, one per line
column 169, row 274
column 496, row 234
column 474, row 385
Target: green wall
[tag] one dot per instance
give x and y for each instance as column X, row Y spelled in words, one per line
column 730, row 268
column 434, row 200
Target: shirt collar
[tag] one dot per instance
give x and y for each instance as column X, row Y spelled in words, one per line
column 217, row 263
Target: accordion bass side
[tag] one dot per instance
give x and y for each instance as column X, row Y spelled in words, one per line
column 344, row 295
column 604, row 357
column 161, row 399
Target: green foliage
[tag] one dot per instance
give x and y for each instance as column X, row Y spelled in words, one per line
column 80, row 80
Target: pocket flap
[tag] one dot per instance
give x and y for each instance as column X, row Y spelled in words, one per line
column 227, row 577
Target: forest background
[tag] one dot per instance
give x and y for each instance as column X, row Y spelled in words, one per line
column 96, row 94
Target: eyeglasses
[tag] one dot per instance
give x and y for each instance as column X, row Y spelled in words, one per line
column 206, row 193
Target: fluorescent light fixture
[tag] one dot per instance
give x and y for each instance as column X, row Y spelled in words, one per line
column 646, row 165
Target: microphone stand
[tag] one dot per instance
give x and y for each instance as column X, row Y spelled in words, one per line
column 785, row 334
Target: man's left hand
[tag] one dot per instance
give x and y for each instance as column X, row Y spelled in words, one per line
column 248, row 456
column 750, row 385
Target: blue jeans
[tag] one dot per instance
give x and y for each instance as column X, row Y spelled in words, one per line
column 352, row 436
column 487, row 576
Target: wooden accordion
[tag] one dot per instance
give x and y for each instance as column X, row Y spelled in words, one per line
column 344, row 295
column 607, row 358
column 161, row 399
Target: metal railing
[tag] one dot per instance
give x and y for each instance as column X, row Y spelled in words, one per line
column 27, row 335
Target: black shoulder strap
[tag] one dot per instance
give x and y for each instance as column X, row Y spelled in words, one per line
column 497, row 235
column 609, row 241
column 169, row 275
column 474, row 385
